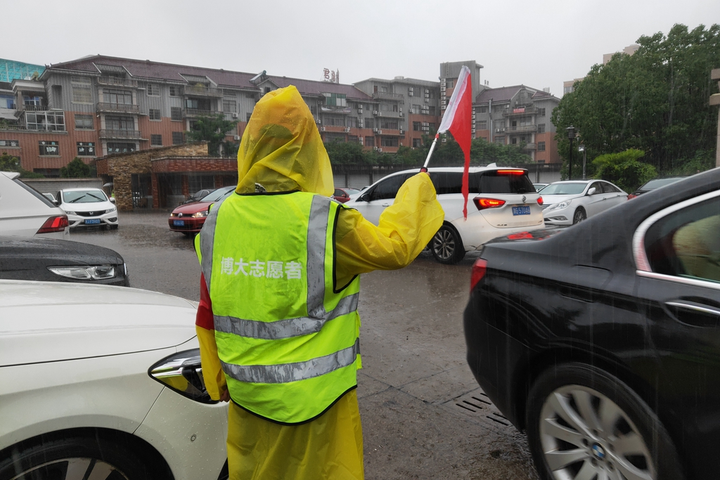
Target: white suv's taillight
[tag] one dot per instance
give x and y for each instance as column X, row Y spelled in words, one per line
column 54, row 224
column 482, row 203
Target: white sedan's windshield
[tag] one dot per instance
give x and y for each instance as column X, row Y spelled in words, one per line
column 84, row 196
column 564, row 189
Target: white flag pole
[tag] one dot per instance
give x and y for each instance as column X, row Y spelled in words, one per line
column 427, row 160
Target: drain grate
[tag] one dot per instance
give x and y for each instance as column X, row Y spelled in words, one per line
column 477, row 405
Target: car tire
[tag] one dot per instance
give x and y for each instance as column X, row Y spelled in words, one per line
column 446, row 246
column 579, row 216
column 583, row 419
column 74, row 457
column 114, row 227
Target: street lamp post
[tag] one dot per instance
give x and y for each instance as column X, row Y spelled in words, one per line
column 571, row 135
column 581, row 148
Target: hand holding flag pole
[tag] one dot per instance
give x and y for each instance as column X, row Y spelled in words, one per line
column 458, row 120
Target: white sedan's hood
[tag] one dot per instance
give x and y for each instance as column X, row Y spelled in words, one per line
column 46, row 321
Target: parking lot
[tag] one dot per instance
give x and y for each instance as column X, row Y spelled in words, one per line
column 424, row 417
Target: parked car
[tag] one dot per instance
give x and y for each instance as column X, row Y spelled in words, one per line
column 50, row 259
column 25, row 212
column 189, row 218
column 200, row 194
column 50, row 197
column 572, row 201
column 343, row 194
column 88, row 207
column 602, row 341
column 540, row 186
column 501, row 201
column 653, row 184
column 103, row 382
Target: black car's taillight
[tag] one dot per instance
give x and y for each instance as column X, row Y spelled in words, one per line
column 478, row 272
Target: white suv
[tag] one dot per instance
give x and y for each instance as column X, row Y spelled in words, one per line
column 502, row 201
column 25, row 212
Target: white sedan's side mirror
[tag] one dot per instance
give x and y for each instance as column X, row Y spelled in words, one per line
column 592, row 191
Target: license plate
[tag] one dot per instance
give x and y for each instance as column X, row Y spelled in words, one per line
column 524, row 210
column 179, row 223
column 92, row 221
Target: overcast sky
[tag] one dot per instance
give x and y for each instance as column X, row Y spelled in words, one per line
column 536, row 43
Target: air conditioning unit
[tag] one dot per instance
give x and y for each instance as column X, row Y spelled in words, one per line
column 427, row 91
column 322, row 129
column 427, row 100
column 402, row 131
column 347, row 129
column 375, row 148
column 236, row 137
column 379, row 150
column 234, row 115
column 375, row 112
column 379, row 132
column 375, row 130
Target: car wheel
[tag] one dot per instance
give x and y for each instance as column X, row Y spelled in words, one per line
column 74, row 458
column 585, row 423
column 113, row 227
column 579, row 216
column 447, row 246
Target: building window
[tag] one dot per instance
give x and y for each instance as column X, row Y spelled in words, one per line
column 431, row 110
column 335, row 99
column 174, row 91
column 541, row 128
column 176, row 114
column 389, row 124
column 7, row 101
column 154, row 114
column 482, row 109
column 49, row 147
column 177, row 138
column 45, row 121
column 417, row 142
column 119, row 123
column 117, row 97
column 153, row 90
column 119, row 147
column 369, row 122
column 449, row 83
column 229, row 106
column 500, row 140
column 156, row 140
column 84, row 122
column 416, row 126
column 541, row 146
column 541, row 112
column 482, row 125
column 369, row 141
column 388, row 142
column 81, row 90
column 9, row 143
column 86, row 149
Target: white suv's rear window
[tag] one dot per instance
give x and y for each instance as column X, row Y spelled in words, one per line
column 483, row 182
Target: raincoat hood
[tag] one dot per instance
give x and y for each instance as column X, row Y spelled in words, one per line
column 281, row 148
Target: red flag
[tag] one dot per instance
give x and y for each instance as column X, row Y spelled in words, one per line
column 458, row 120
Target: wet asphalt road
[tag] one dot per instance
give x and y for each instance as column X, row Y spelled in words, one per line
column 423, row 414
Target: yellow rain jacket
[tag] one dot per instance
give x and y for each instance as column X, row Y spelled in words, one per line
column 281, row 151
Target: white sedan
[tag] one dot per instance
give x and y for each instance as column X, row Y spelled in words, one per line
column 103, row 382
column 87, row 207
column 572, row 201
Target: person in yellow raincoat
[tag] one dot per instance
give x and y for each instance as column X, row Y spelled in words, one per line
column 282, row 152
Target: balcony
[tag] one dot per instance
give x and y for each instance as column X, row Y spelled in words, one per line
column 202, row 91
column 530, row 146
column 120, row 134
column 520, row 111
column 334, row 109
column 33, row 107
column 386, row 114
column 104, row 107
column 117, row 82
column 198, row 112
column 523, row 128
column 388, row 96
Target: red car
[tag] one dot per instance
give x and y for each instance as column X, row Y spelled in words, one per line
column 342, row 195
column 190, row 217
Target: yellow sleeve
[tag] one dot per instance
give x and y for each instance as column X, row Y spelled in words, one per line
column 213, row 374
column 404, row 229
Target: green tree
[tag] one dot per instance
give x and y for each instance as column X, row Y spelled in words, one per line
column 624, row 169
column 11, row 163
column 76, row 169
column 212, row 129
column 655, row 100
column 345, row 153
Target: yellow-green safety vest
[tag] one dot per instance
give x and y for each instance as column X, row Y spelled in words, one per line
column 287, row 336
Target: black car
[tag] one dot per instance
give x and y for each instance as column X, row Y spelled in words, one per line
column 653, row 184
column 602, row 341
column 60, row 261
